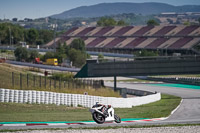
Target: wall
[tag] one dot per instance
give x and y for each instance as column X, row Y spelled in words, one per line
column 43, row 97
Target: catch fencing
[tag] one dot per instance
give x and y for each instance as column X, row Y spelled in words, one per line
column 14, row 80
column 44, row 97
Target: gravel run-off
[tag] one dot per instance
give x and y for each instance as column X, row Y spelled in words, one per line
column 179, row 129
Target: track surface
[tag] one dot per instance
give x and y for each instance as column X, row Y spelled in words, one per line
column 188, row 112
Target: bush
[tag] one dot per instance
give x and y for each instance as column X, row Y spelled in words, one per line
column 21, row 54
column 77, row 57
column 62, row 76
column 144, row 53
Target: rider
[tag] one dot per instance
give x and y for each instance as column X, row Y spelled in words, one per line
column 105, row 108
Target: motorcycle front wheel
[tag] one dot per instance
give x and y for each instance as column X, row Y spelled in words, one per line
column 117, row 119
column 98, row 118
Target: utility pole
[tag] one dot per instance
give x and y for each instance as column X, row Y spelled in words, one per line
column 10, row 35
column 12, row 41
column 55, row 28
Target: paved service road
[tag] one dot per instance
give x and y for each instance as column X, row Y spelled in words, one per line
column 189, row 110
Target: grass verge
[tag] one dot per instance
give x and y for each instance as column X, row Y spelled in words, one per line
column 48, row 84
column 12, row 112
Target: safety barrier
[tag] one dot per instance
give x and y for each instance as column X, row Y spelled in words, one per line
column 179, row 80
column 43, row 97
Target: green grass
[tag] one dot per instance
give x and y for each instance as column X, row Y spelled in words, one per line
column 70, row 86
column 12, row 112
column 158, row 109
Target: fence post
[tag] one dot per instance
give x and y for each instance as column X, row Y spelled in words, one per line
column 68, row 83
column 73, row 83
column 34, row 80
column 27, row 80
column 60, row 83
column 88, row 83
column 55, row 83
column 50, row 83
column 13, row 80
column 91, row 83
column 64, row 84
column 40, row 81
column 20, row 80
column 45, row 81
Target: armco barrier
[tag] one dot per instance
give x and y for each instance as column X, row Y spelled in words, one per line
column 178, row 80
column 41, row 97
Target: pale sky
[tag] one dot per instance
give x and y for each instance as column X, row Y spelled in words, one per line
column 42, row 8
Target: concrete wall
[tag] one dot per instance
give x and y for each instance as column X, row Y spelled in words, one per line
column 43, row 97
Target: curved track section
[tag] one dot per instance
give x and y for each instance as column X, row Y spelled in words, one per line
column 188, row 111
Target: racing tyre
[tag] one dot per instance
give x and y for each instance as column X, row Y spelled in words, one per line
column 98, row 118
column 117, row 119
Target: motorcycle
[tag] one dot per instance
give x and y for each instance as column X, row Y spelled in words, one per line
column 104, row 113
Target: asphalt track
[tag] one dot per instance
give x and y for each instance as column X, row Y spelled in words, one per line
column 187, row 112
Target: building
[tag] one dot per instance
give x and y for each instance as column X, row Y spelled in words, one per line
column 131, row 38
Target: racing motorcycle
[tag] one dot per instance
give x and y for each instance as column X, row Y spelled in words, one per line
column 104, row 113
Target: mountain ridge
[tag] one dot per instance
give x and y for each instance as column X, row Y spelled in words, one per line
column 104, row 9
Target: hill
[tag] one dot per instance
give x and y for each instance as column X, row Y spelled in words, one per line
column 119, row 8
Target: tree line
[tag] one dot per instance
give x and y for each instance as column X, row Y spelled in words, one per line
column 14, row 34
column 108, row 21
column 75, row 52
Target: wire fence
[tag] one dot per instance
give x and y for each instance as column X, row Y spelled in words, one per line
column 13, row 80
column 7, row 56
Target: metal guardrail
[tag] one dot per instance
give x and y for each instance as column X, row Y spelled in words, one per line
column 44, row 66
column 89, row 52
column 180, row 80
column 40, row 50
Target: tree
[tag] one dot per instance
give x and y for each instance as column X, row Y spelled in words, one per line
column 78, row 44
column 187, row 23
column 14, row 19
column 60, row 53
column 77, row 57
column 48, row 55
column 21, row 54
column 100, row 56
column 152, row 22
column 67, row 48
column 106, row 22
column 46, row 35
column 33, row 54
column 144, row 53
column 73, row 55
column 32, row 36
column 39, row 42
column 121, row 23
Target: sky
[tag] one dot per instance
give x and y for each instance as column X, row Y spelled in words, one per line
column 42, row 8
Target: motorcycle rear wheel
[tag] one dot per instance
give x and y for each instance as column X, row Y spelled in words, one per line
column 98, row 118
column 117, row 119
